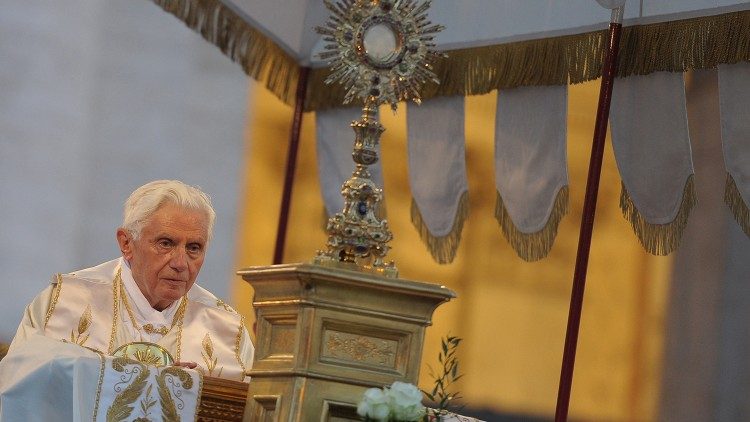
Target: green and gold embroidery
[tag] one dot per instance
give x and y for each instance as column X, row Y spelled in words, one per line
column 168, row 408
column 123, row 404
column 147, row 357
column 146, row 404
column 152, row 329
column 208, row 355
column 221, row 304
column 84, row 323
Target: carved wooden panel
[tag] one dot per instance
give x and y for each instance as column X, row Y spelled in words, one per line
column 222, row 400
column 362, row 346
column 360, row 349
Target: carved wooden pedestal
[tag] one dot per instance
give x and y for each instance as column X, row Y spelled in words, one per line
column 325, row 335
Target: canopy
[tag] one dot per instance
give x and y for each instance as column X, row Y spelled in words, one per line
column 491, row 44
column 528, row 50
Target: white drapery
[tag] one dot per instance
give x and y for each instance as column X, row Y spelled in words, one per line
column 437, row 174
column 652, row 148
column 513, row 44
column 734, row 90
column 531, row 168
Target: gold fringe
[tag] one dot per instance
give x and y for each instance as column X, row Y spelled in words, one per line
column 733, row 199
column 533, row 246
column 675, row 46
column 681, row 45
column 260, row 57
column 442, row 248
column 659, row 239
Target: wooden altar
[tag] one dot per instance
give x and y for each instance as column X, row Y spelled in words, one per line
column 326, row 334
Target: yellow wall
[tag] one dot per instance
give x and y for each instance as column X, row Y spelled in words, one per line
column 511, row 314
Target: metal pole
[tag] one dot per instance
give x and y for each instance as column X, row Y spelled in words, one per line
column 291, row 165
column 609, row 68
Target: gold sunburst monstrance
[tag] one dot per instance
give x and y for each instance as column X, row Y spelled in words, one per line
column 380, row 49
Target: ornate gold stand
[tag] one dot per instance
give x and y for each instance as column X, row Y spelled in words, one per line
column 326, row 334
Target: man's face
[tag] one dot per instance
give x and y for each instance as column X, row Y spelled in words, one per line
column 167, row 256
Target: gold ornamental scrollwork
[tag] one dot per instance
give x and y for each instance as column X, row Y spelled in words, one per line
column 360, row 349
column 128, row 389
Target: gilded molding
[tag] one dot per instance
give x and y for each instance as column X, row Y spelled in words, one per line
column 221, row 400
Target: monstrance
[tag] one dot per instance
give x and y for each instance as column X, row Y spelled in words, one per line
column 382, row 52
column 325, row 332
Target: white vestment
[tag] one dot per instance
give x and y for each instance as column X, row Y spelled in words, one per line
column 101, row 308
column 50, row 380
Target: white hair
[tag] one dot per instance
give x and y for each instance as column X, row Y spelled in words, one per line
column 145, row 200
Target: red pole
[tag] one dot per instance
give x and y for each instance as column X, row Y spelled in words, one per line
column 291, row 165
column 609, row 68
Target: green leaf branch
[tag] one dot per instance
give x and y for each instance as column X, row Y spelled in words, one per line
column 441, row 393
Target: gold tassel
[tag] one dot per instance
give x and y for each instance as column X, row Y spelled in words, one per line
column 659, row 239
column 733, row 199
column 258, row 55
column 676, row 46
column 532, row 246
column 442, row 248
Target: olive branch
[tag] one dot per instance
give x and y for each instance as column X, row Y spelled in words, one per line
column 449, row 373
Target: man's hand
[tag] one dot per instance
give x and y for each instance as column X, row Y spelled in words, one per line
column 187, row 364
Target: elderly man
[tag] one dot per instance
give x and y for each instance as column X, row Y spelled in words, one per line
column 148, row 295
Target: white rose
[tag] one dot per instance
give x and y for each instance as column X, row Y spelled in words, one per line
column 374, row 405
column 406, row 401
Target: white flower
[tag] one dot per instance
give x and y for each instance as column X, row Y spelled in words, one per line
column 405, row 401
column 374, row 405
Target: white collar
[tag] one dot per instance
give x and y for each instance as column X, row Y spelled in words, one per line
column 143, row 311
